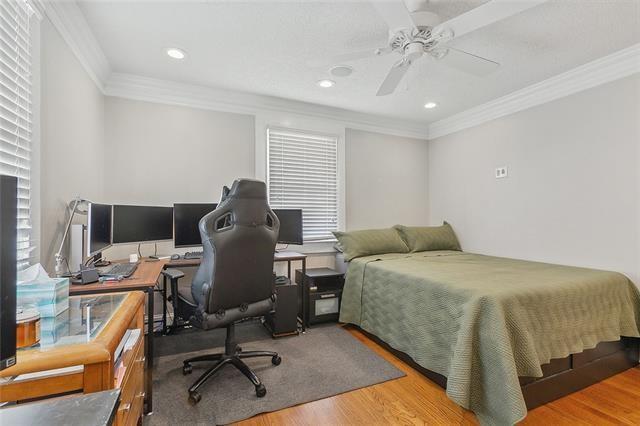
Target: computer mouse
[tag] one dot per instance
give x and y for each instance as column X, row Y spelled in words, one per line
column 175, row 257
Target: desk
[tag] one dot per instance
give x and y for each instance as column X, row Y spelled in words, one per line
column 93, row 409
column 77, row 350
column 143, row 279
column 279, row 256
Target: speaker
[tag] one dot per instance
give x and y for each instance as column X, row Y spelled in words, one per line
column 284, row 320
column 8, row 261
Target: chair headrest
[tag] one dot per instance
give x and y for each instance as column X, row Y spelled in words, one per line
column 248, row 188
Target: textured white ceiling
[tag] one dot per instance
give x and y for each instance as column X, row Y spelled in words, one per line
column 266, row 47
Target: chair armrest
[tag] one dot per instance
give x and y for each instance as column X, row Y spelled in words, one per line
column 173, row 274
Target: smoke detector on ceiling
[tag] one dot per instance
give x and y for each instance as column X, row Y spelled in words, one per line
column 341, row 71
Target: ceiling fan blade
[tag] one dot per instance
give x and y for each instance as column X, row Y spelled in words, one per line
column 322, row 63
column 486, row 14
column 394, row 13
column 364, row 54
column 393, row 79
column 468, row 62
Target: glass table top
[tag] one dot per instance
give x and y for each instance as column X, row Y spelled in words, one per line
column 81, row 323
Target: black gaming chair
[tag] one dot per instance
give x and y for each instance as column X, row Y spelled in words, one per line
column 235, row 279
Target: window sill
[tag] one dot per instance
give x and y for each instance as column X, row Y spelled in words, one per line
column 314, row 247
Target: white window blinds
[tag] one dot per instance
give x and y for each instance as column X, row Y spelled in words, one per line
column 302, row 173
column 15, row 111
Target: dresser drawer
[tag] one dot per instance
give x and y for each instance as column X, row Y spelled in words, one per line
column 132, row 389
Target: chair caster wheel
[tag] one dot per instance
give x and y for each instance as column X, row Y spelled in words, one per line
column 276, row 360
column 238, row 349
column 194, row 397
column 261, row 390
column 187, row 369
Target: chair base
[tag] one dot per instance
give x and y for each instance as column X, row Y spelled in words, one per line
column 233, row 355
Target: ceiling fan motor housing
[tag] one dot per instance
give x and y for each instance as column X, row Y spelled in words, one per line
column 413, row 50
column 413, row 44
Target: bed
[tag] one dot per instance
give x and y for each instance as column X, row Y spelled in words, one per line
column 500, row 334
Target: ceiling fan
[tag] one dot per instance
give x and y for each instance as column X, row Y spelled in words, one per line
column 414, row 32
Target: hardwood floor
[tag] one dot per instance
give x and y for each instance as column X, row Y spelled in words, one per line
column 414, row 400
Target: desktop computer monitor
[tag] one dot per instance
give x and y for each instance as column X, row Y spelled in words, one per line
column 290, row 226
column 138, row 224
column 185, row 223
column 8, row 261
column 98, row 228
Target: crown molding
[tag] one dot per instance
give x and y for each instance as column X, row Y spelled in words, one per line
column 609, row 68
column 70, row 22
column 169, row 92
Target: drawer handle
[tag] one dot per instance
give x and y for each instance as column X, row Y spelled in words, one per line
column 141, row 395
column 125, row 407
column 143, row 359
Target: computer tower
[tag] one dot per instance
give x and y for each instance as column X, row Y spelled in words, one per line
column 324, row 294
column 8, row 261
column 284, row 320
column 324, row 305
column 77, row 246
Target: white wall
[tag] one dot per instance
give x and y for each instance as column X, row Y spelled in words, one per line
column 386, row 180
column 72, row 138
column 573, row 191
column 159, row 154
column 166, row 154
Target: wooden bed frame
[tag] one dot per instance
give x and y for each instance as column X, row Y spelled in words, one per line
column 562, row 376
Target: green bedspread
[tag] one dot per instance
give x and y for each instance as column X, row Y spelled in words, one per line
column 482, row 321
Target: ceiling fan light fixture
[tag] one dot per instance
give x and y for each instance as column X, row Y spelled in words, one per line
column 430, row 105
column 176, row 53
column 325, row 84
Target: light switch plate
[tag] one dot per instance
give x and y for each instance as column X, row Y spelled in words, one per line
column 502, row 172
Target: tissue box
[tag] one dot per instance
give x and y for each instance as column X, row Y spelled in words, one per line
column 51, row 295
column 52, row 330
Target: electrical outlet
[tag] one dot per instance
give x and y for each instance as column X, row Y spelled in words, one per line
column 501, row 172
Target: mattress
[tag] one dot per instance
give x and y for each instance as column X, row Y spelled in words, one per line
column 483, row 321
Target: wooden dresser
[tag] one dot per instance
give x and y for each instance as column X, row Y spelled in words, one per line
column 97, row 344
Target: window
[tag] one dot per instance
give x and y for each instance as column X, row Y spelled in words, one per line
column 302, row 173
column 16, row 112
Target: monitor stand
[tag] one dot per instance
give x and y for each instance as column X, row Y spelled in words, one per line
column 97, row 262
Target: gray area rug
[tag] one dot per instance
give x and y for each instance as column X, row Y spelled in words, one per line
column 325, row 361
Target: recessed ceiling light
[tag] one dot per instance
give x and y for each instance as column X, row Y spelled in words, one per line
column 341, row 71
column 326, row 83
column 176, row 53
column 430, row 105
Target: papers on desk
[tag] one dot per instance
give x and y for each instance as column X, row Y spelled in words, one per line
column 132, row 339
column 127, row 343
column 118, row 373
column 120, row 348
column 48, row 373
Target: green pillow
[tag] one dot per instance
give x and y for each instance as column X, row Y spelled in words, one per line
column 429, row 238
column 370, row 241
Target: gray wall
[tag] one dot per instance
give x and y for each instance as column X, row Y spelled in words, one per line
column 72, row 138
column 573, row 191
column 386, row 180
column 166, row 154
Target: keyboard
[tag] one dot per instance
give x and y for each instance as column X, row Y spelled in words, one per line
column 124, row 270
column 193, row 255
